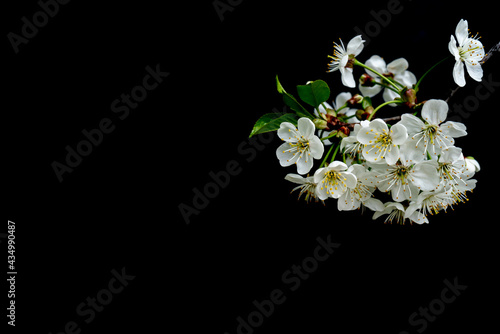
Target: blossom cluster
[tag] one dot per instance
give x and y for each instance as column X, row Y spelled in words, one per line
column 406, row 167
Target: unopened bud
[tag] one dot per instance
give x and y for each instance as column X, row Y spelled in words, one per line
column 410, row 97
column 320, row 124
column 366, row 80
column 356, row 99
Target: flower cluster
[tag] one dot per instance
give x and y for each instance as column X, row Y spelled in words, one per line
column 405, row 167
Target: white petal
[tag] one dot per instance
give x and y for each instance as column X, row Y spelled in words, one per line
column 462, row 31
column 458, row 73
column 304, row 164
column 341, row 99
column 412, row 123
column 306, row 127
column 378, row 64
column 453, row 129
column 370, row 91
column 355, row 45
column 425, row 176
column 435, row 111
column 295, row 178
column 288, row 132
column 392, row 156
column 316, row 147
column 347, row 77
column 397, row 66
column 475, row 71
column 286, row 157
column 452, row 46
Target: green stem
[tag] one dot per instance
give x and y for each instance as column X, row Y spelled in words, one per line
column 382, row 105
column 428, row 71
column 386, row 86
column 335, row 152
column 326, row 156
column 356, row 62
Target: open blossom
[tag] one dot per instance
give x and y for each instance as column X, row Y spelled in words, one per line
column 381, row 142
column 343, row 58
column 350, row 145
column 405, row 179
column 431, row 134
column 334, row 180
column 452, row 168
column 305, row 184
column 469, row 51
column 361, row 194
column 301, row 145
column 397, row 70
column 397, row 212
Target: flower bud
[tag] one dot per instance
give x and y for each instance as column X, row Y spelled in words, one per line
column 356, row 99
column 410, row 97
column 472, row 164
column 366, row 80
column 320, row 124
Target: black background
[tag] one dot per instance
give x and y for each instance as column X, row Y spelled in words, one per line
column 120, row 207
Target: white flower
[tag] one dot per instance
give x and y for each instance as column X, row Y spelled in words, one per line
column 381, row 142
column 396, row 70
column 469, row 51
column 430, row 136
column 300, row 144
column 396, row 212
column 306, row 186
column 350, row 145
column 430, row 202
column 334, row 180
column 472, row 164
column 353, row 198
column 342, row 59
column 452, row 167
column 405, row 178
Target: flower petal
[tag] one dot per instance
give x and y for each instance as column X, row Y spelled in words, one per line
column 286, row 154
column 413, row 124
column 435, row 111
column 347, row 77
column 475, row 71
column 452, row 46
column 306, row 127
column 341, row 99
column 355, row 45
column 462, row 31
column 453, row 129
column 288, row 132
column 458, row 73
column 425, row 175
column 398, row 66
column 316, row 147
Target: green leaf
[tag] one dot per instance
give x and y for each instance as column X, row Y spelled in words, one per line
column 271, row 122
column 314, row 93
column 367, row 102
column 280, row 88
column 290, row 101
